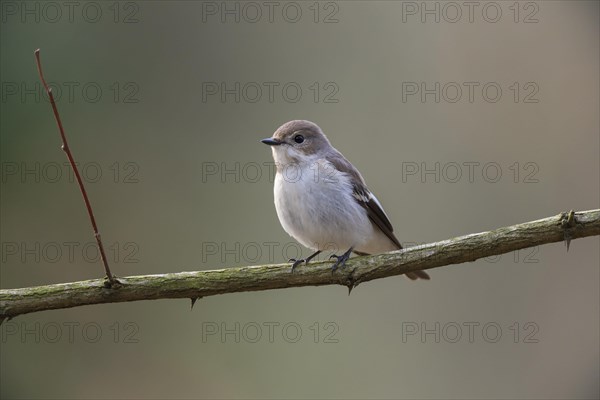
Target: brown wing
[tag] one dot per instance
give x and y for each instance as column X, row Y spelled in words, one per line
column 374, row 209
column 364, row 197
column 375, row 212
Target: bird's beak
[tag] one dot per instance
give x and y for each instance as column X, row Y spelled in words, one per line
column 271, row 142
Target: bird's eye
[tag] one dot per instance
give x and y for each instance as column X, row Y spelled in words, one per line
column 298, row 138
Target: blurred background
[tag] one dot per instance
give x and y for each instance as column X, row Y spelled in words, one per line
column 462, row 118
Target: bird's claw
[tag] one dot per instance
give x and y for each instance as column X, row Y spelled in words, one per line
column 296, row 263
column 303, row 260
column 341, row 261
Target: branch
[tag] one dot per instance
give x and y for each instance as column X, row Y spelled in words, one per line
column 67, row 150
column 194, row 285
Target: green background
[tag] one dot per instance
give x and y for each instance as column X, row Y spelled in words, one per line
column 156, row 205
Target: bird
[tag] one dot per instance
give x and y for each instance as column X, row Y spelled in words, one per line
column 322, row 200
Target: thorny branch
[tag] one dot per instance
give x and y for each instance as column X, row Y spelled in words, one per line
column 193, row 285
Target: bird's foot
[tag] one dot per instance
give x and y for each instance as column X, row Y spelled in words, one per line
column 296, row 263
column 303, row 260
column 341, row 260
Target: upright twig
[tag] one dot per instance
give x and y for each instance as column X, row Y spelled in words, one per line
column 67, row 150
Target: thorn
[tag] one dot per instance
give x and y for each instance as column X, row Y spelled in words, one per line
column 194, row 300
column 567, row 222
column 350, row 287
column 352, row 283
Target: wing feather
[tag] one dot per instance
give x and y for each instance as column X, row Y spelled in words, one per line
column 364, row 196
column 373, row 207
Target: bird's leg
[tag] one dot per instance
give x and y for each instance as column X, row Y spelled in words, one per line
column 303, row 260
column 341, row 260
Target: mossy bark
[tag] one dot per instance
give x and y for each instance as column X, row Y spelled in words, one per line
column 193, row 285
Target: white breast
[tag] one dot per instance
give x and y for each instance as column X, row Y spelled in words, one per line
column 315, row 205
